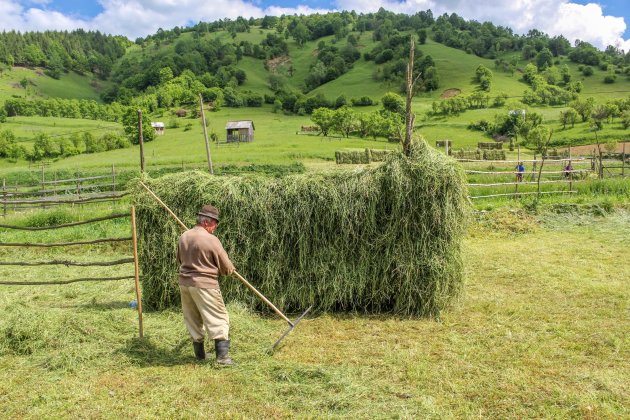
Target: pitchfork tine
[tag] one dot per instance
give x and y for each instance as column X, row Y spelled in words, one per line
column 292, row 326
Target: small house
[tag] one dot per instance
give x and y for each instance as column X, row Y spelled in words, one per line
column 158, row 127
column 240, row 131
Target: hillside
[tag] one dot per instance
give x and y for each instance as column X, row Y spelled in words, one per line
column 296, row 64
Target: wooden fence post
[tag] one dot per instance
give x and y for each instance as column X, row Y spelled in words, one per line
column 623, row 160
column 570, row 173
column 4, row 197
column 113, row 179
column 43, row 186
column 140, row 141
column 518, row 158
column 136, row 270
column 205, row 134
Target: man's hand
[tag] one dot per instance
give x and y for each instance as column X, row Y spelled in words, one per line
column 231, row 271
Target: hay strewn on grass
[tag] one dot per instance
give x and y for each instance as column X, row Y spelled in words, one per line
column 384, row 239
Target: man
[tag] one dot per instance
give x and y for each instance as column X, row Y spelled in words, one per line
column 202, row 260
column 520, row 170
column 568, row 170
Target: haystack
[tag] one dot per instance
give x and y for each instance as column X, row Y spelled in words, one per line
column 383, row 239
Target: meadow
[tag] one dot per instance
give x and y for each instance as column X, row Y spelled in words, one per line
column 532, row 336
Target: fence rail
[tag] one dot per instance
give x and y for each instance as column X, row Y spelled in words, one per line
column 120, row 261
column 54, row 192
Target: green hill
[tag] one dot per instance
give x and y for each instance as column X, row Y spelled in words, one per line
column 266, row 59
column 33, row 83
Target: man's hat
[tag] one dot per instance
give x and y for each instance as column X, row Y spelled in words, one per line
column 209, row 211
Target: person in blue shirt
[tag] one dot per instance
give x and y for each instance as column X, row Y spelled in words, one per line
column 520, row 170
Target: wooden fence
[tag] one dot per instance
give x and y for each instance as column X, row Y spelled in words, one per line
column 52, row 192
column 501, row 178
column 134, row 259
column 498, row 178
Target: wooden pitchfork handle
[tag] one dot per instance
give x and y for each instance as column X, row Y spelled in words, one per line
column 234, row 273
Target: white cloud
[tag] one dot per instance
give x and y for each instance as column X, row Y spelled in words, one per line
column 134, row 18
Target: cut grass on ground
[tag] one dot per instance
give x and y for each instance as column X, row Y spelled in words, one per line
column 534, row 336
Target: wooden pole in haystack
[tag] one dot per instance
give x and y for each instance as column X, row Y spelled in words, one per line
column 205, row 134
column 134, row 236
column 140, row 141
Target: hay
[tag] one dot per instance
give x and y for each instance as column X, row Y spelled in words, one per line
column 490, row 146
column 494, row 154
column 384, row 239
column 467, row 154
column 361, row 156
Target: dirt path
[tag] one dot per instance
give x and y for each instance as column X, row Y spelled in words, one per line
column 588, row 148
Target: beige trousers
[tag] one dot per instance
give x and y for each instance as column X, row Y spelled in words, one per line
column 204, row 307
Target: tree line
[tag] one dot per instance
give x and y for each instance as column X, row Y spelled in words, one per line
column 62, row 51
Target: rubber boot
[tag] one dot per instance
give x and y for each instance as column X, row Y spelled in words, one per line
column 200, row 351
column 222, row 347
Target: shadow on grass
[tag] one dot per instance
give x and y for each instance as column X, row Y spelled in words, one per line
column 144, row 352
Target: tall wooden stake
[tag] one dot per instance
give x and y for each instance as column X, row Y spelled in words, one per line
column 134, row 236
column 623, row 160
column 409, row 117
column 113, row 178
column 4, row 196
column 205, row 134
column 519, row 163
column 140, row 140
column 570, row 173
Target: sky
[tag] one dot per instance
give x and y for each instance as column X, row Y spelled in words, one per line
column 602, row 23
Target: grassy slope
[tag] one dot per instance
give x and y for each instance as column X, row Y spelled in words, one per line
column 532, row 338
column 69, row 85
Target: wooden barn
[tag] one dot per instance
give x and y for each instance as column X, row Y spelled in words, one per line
column 240, row 131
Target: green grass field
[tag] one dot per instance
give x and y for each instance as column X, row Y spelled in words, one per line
column 532, row 336
column 276, row 142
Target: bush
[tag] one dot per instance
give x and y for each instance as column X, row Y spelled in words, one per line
column 362, row 101
column 610, row 78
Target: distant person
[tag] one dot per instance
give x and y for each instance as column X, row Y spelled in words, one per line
column 520, row 170
column 202, row 260
column 568, row 170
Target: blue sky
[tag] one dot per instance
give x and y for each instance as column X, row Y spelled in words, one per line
column 602, row 23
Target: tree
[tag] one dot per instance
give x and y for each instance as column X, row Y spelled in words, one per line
column 625, row 119
column 544, row 59
column 301, row 34
column 538, row 139
column 393, row 102
column 130, row 126
column 584, row 107
column 422, row 36
column 344, row 120
column 7, row 140
column 599, row 115
column 324, row 119
column 44, row 147
column 568, row 116
column 166, row 75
